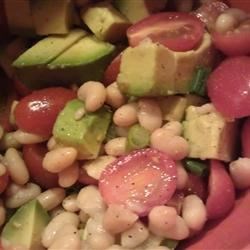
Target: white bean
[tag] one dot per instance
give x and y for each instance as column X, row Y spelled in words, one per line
column 94, row 95
column 134, row 236
column 118, row 219
column 52, row 144
column 95, row 167
column 126, row 115
column 2, row 169
column 240, row 172
column 28, row 138
column 179, row 231
column 117, row 247
column 16, row 166
column 12, row 119
column 174, row 127
column 194, row 212
column 8, row 141
column 225, row 22
column 51, row 198
column 158, row 248
column 116, row 146
column 114, row 96
column 90, row 200
column 149, row 114
column 59, row 159
column 175, row 146
column 69, row 176
column 66, row 242
column 56, row 211
column 2, row 213
column 70, row 203
column 161, row 219
column 49, row 233
column 97, row 237
column 182, row 176
column 23, row 195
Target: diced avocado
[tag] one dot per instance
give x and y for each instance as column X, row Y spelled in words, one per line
column 105, row 22
column 136, row 10
column 173, row 107
column 48, row 49
column 150, row 69
column 83, row 61
column 52, row 17
column 10, row 52
column 25, row 227
column 209, row 134
column 19, row 17
column 85, row 134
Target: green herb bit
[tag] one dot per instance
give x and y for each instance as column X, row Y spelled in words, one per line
column 196, row 167
column 198, row 83
column 171, row 244
column 138, row 137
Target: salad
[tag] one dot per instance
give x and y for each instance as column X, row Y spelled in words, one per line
column 124, row 125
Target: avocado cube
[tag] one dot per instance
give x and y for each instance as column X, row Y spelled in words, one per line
column 135, row 10
column 25, row 227
column 65, row 61
column 52, row 17
column 85, row 134
column 19, row 17
column 173, row 107
column 105, row 22
column 48, row 49
column 209, row 134
column 151, row 69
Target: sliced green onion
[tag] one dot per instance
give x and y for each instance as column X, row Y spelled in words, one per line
column 138, row 137
column 171, row 244
column 198, row 83
column 196, row 167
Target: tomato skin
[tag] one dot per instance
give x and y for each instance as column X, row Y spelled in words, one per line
column 4, row 180
column 112, row 71
column 139, row 180
column 177, row 31
column 33, row 155
column 37, row 112
column 240, row 4
column 229, row 89
column 85, row 179
column 233, row 43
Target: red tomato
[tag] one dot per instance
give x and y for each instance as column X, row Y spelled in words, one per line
column 37, row 112
column 85, row 179
column 4, row 180
column 196, row 185
column 209, row 11
column 241, row 4
column 221, row 195
column 245, row 138
column 140, row 180
column 229, row 88
column 33, row 155
column 236, row 42
column 177, row 31
column 112, row 70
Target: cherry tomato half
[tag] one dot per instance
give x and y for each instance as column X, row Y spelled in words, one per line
column 140, row 180
column 33, row 155
column 177, row 31
column 4, row 180
column 37, row 112
column 229, row 88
